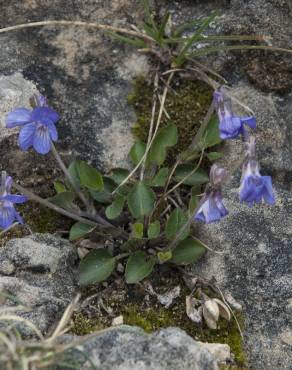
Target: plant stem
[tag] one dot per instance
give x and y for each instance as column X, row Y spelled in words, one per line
column 187, row 176
column 151, row 124
column 89, row 207
column 78, row 23
column 69, row 177
column 153, row 137
column 195, row 143
column 52, row 206
column 173, row 244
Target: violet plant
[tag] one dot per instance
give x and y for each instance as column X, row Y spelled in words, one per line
column 148, row 212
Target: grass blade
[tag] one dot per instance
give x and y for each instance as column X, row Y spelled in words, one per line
column 126, row 40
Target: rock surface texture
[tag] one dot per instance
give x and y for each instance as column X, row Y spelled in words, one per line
column 87, row 79
column 38, row 272
column 129, row 347
column 257, row 242
column 85, row 75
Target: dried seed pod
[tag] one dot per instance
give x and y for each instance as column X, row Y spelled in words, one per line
column 223, row 309
column 212, row 309
column 211, row 323
column 194, row 314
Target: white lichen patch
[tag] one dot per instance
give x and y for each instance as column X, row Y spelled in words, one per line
column 15, row 92
column 117, row 142
column 133, row 66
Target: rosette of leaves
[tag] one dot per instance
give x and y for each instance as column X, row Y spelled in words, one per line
column 136, row 208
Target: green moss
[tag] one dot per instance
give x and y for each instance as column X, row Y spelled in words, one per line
column 83, row 325
column 42, row 219
column 148, row 320
column 152, row 319
column 186, row 105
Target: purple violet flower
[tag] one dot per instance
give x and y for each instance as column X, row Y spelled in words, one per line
column 255, row 187
column 8, row 213
column 38, row 126
column 212, row 208
column 230, row 125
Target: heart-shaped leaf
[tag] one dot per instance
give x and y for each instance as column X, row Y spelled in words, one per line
column 164, row 256
column 115, row 209
column 175, row 223
column 139, row 265
column 104, row 196
column 64, row 199
column 137, row 230
column 79, row 229
column 154, row 230
column 137, row 151
column 197, row 178
column 73, row 172
column 166, row 137
column 188, row 251
column 89, row 176
column 161, row 177
column 211, row 135
column 118, row 175
column 96, row 266
column 141, row 200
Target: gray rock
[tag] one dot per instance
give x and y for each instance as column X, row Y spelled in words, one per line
column 257, row 242
column 85, row 75
column 39, row 272
column 256, row 265
column 127, row 347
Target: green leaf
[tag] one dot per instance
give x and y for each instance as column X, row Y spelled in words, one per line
column 104, row 196
column 73, row 172
column 115, row 209
column 174, row 224
column 141, row 200
column 139, row 43
column 96, row 266
column 89, row 176
column 161, row 177
column 154, row 230
column 188, row 251
column 166, row 137
column 213, row 156
column 163, row 25
column 78, row 230
column 194, row 201
column 139, row 265
column 197, row 178
column 137, row 230
column 64, row 199
column 59, row 187
column 164, row 256
column 211, row 135
column 137, row 151
column 118, row 175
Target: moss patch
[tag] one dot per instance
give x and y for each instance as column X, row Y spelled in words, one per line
column 143, row 310
column 186, row 105
column 83, row 325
